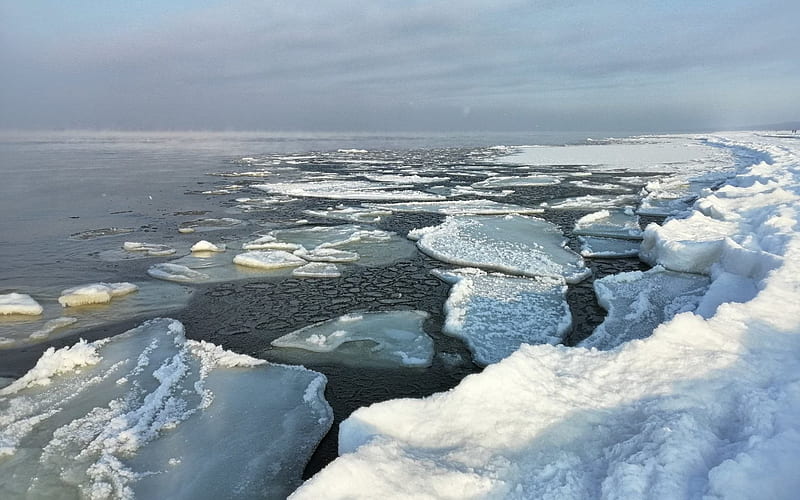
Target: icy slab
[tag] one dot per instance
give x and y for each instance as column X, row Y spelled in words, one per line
column 92, row 234
column 513, row 244
column 350, row 190
column 637, row 302
column 593, row 202
column 209, row 224
column 121, row 418
column 531, row 180
column 494, row 314
column 95, row 293
column 269, row 242
column 600, row 186
column 610, row 224
column 608, row 248
column 461, row 207
column 351, row 214
column 317, row 270
column 19, row 303
column 269, row 259
column 326, row 255
column 148, row 249
column 207, row 246
column 177, row 272
column 405, row 179
column 382, row 338
column 51, row 326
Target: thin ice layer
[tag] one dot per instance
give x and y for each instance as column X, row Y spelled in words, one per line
column 610, row 224
column 511, row 181
column 608, row 248
column 176, row 272
column 512, row 244
column 139, row 415
column 268, row 259
column 390, row 338
column 95, row 293
column 349, row 190
column 19, row 303
column 637, row 302
column 460, row 207
column 317, row 270
column 494, row 314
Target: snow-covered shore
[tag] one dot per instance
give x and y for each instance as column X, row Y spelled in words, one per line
column 705, row 407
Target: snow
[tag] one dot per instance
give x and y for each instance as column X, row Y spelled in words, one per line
column 95, row 293
column 594, row 247
column 317, row 270
column 374, row 338
column 513, row 244
column 19, row 303
column 610, row 224
column 462, row 207
column 176, row 272
column 270, row 259
column 207, row 246
column 148, row 249
column 351, row 190
column 494, row 314
column 705, row 407
column 637, row 302
column 136, row 416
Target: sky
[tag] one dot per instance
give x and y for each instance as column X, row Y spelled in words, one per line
column 391, row 65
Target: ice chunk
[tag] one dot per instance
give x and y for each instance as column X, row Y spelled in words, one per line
column 608, row 247
column 268, row 259
column 351, row 190
column 207, row 246
column 494, row 314
column 610, row 224
column 101, row 233
column 460, row 207
column 269, row 242
column 121, row 418
column 405, row 179
column 353, row 214
column 392, row 337
column 513, row 244
column 19, row 303
column 326, row 255
column 209, row 224
column 177, row 272
column 533, row 180
column 317, row 270
column 148, row 249
column 637, row 302
column 51, row 326
column 95, row 293
column 593, row 202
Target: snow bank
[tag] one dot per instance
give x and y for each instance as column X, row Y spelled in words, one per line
column 706, row 407
column 95, row 293
column 19, row 303
column 150, row 414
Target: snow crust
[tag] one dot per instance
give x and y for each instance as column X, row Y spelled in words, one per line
column 138, row 415
column 513, row 244
column 19, row 303
column 95, row 293
column 705, row 407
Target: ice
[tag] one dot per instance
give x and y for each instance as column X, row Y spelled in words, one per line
column 594, row 247
column 463, row 207
column 268, row 259
column 513, row 244
column 494, row 314
column 149, row 414
column 207, row 246
column 269, row 242
column 19, row 303
column 371, row 338
column 637, row 302
column 326, row 255
column 610, row 224
column 351, row 190
column 405, row 179
column 177, row 272
column 92, row 234
column 705, row 407
column 532, row 180
column 210, row 224
column 95, row 293
column 51, row 326
column 148, row 249
column 352, row 214
column 317, row 270
column 593, row 202
column 600, row 186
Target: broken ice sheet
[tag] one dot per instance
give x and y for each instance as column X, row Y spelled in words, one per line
column 608, row 248
column 610, row 224
column 459, row 207
column 388, row 338
column 150, row 414
column 637, row 302
column 494, row 313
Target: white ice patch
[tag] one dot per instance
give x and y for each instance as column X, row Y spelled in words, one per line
column 610, row 224
column 177, row 272
column 405, row 179
column 464, row 207
column 269, row 259
column 209, row 224
column 19, row 303
column 594, row 247
column 352, row 214
column 494, row 314
column 593, row 202
column 513, row 244
column 95, row 293
column 637, row 302
column 134, row 416
column 317, row 270
column 269, row 242
column 532, row 180
column 51, row 326
column 351, row 190
column 148, row 249
column 326, row 255
column 207, row 246
column 383, row 338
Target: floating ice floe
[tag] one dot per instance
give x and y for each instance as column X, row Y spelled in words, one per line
column 494, row 314
column 352, row 214
column 514, row 244
column 637, row 302
column 51, row 326
column 137, row 415
column 19, row 303
column 101, row 233
column 317, row 270
column 177, row 272
column 622, row 224
column 532, row 180
column 209, row 224
column 95, row 293
column 326, row 255
column 148, row 249
column 405, row 179
column 269, row 242
column 593, row 201
column 595, row 247
column 462, row 207
column 352, row 190
column 377, row 338
column 600, row 186
column 207, row 246
column 268, row 259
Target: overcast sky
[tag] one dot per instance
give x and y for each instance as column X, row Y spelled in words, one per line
column 373, row 65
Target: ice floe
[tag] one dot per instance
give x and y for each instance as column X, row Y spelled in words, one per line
column 51, row 326
column 209, row 224
column 207, row 246
column 148, row 249
column 101, row 233
column 460, row 207
column 176, row 272
column 317, row 270
column 326, row 255
column 19, row 303
column 531, row 180
column 622, row 224
column 350, row 190
column 593, row 202
column 268, row 259
column 514, row 244
column 494, row 313
column 371, row 338
column 595, row 247
column 405, row 179
column 95, row 293
column 138, row 415
column 351, row 214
